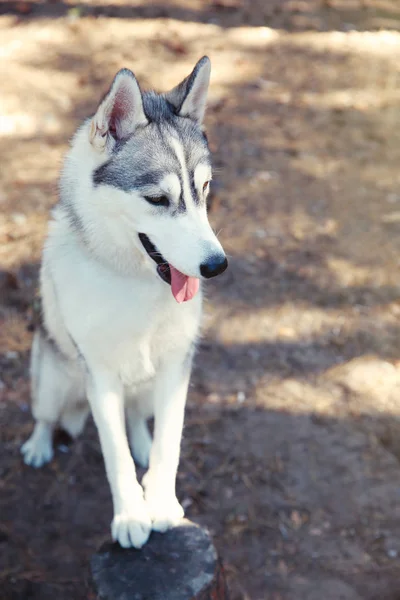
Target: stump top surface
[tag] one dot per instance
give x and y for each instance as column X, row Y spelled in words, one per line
column 176, row 565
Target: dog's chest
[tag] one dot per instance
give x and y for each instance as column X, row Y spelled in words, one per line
column 134, row 324
column 127, row 324
column 140, row 345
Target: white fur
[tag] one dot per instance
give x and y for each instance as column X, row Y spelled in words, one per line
column 170, row 185
column 135, row 341
column 123, row 343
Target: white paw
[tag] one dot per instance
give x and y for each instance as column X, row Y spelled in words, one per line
column 130, row 530
column 164, row 513
column 38, row 450
column 131, row 526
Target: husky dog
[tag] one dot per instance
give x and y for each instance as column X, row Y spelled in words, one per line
column 128, row 244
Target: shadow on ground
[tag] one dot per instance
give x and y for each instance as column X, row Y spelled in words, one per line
column 259, row 479
column 283, row 14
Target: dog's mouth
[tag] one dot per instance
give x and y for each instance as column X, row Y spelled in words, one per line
column 162, row 266
column 183, row 286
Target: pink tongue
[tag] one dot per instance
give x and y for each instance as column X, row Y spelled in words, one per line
column 183, row 287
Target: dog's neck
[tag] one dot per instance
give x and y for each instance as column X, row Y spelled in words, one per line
column 88, row 216
column 102, row 243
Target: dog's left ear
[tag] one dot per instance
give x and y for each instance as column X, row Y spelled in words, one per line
column 120, row 112
column 190, row 96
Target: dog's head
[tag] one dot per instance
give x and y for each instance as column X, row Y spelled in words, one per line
column 155, row 156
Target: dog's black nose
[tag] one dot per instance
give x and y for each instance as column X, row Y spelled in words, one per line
column 215, row 265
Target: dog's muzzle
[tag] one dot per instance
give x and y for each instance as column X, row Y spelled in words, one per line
column 183, row 287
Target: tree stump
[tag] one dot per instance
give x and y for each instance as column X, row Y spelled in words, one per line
column 181, row 564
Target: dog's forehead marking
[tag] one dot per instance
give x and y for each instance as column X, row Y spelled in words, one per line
column 185, row 180
column 171, row 185
column 179, row 153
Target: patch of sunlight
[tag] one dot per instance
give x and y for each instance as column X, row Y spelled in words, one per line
column 24, row 245
column 68, row 50
column 253, row 36
column 347, row 273
column 33, row 39
column 10, row 48
column 366, row 385
column 286, row 324
column 296, row 396
column 378, row 43
column 311, row 164
column 352, row 98
column 371, row 378
column 387, row 176
column 27, row 125
column 14, row 336
column 232, row 60
column 17, row 123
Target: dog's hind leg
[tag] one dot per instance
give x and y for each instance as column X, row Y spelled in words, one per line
column 54, row 384
column 74, row 417
column 38, row 449
column 139, row 435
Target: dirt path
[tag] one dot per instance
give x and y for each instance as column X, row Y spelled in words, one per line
column 291, row 450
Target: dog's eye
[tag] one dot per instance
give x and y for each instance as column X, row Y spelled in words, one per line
column 205, row 186
column 157, row 200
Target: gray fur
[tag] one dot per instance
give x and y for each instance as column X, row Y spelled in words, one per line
column 73, row 217
column 143, row 159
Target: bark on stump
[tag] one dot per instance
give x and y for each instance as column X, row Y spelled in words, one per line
column 181, row 564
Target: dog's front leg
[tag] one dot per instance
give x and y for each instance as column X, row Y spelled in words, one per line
column 131, row 525
column 170, row 392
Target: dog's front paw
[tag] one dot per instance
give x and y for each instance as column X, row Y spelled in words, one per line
column 164, row 513
column 132, row 527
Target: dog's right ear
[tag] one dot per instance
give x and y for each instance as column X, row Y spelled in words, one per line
column 119, row 113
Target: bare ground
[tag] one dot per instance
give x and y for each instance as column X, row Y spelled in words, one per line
column 291, row 450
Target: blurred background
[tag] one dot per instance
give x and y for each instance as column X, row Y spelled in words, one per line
column 292, row 440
